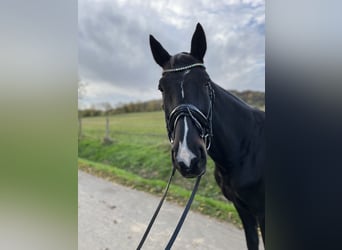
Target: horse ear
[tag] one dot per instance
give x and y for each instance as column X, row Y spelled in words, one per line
column 160, row 55
column 198, row 43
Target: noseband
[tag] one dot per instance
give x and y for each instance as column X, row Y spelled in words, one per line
column 202, row 122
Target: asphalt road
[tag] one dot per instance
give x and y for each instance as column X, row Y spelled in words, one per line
column 114, row 217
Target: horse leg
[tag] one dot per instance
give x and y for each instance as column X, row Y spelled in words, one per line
column 250, row 227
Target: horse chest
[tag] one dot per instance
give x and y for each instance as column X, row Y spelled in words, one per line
column 224, row 181
column 230, row 184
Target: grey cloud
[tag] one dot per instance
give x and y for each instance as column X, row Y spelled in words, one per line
column 113, row 42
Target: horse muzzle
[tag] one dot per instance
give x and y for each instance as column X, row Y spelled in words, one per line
column 190, row 164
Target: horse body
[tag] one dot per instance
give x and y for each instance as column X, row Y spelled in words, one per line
column 238, row 143
column 202, row 118
column 238, row 150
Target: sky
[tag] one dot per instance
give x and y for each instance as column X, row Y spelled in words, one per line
column 115, row 61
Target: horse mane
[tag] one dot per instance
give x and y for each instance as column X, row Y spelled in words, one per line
column 237, row 99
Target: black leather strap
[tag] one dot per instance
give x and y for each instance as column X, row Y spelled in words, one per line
column 181, row 220
column 185, row 212
column 156, row 212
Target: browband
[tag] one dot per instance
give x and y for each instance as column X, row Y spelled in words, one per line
column 184, row 68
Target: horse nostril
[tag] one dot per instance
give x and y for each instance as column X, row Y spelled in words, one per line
column 195, row 161
column 183, row 166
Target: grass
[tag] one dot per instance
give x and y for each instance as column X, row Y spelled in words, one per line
column 140, row 157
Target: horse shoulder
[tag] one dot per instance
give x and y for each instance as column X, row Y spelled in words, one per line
column 223, row 181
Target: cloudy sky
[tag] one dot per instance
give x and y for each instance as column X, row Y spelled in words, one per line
column 115, row 60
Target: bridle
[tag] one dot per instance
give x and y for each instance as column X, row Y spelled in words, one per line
column 202, row 122
column 204, row 125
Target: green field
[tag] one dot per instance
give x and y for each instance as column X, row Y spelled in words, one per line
column 141, row 150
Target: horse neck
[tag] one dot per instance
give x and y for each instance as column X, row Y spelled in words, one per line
column 233, row 122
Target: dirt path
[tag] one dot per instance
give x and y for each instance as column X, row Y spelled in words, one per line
column 114, row 217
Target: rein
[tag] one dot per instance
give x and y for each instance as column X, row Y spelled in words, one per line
column 204, row 125
column 181, row 220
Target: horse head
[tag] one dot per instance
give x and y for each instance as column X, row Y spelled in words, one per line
column 187, row 102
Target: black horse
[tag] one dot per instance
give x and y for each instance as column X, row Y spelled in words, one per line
column 203, row 118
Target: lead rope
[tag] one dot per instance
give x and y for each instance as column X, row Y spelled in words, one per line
column 181, row 220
